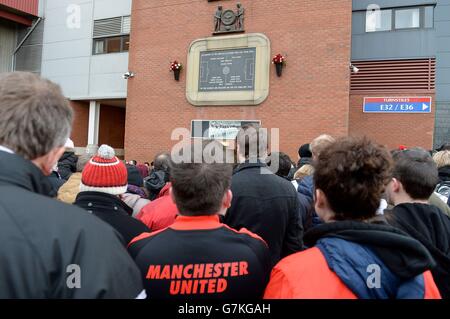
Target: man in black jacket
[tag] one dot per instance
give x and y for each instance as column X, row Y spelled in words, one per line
column 198, row 257
column 263, row 202
column 49, row 249
column 414, row 179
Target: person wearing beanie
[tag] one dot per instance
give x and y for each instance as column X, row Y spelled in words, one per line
column 103, row 180
column 304, row 155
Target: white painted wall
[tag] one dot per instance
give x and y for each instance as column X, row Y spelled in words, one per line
column 67, row 52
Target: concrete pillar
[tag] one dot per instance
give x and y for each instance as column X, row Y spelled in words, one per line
column 93, row 128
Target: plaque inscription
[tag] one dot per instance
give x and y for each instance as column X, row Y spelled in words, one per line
column 227, row 70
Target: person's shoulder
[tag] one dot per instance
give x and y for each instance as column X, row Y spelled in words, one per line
column 158, row 206
column 145, row 242
column 45, row 212
column 301, row 260
column 245, row 234
column 146, row 237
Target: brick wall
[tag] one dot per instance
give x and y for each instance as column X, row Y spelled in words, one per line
column 80, row 123
column 392, row 129
column 312, row 96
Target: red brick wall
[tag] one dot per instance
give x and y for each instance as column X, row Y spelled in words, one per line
column 392, row 129
column 112, row 126
column 80, row 123
column 312, row 96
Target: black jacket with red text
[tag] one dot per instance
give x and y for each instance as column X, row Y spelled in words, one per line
column 198, row 257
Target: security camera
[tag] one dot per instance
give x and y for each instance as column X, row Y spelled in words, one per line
column 128, row 75
column 354, row 68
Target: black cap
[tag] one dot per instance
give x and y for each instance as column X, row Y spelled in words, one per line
column 304, row 151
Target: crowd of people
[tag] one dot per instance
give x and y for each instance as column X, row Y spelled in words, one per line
column 349, row 220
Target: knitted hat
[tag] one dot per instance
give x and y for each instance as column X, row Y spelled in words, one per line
column 104, row 173
column 134, row 177
column 304, row 151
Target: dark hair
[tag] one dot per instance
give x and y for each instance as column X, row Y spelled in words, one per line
column 284, row 163
column 199, row 188
column 417, row 172
column 353, row 173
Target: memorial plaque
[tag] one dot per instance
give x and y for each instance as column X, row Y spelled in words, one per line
column 227, row 70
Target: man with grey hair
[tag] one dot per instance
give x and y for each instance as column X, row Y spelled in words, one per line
column 263, row 202
column 306, row 186
column 49, row 249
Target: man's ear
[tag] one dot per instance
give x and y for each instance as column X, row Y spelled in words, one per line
column 396, row 185
column 322, row 206
column 46, row 162
column 319, row 199
column 171, row 194
column 227, row 198
column 226, row 202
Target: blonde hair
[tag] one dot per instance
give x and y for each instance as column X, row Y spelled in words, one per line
column 320, row 143
column 442, row 158
column 305, row 170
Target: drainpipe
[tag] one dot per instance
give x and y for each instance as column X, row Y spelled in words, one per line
column 13, row 58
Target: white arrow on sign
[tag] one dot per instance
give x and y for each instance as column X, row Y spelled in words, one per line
column 424, row 106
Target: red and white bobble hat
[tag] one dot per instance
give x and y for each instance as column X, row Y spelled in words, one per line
column 104, row 173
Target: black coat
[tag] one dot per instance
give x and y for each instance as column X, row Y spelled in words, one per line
column 113, row 211
column 67, row 165
column 56, row 181
column 267, row 205
column 431, row 227
column 44, row 240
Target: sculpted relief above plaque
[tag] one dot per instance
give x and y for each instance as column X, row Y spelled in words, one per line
column 229, row 21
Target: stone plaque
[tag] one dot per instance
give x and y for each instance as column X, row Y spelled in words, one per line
column 227, row 70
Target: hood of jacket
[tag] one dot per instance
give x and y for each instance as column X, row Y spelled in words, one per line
column 102, row 201
column 427, row 224
column 155, row 182
column 365, row 274
column 17, row 171
column 404, row 256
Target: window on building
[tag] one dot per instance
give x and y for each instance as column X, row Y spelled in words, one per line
column 378, row 20
column 407, row 18
column 399, row 18
column 112, row 35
